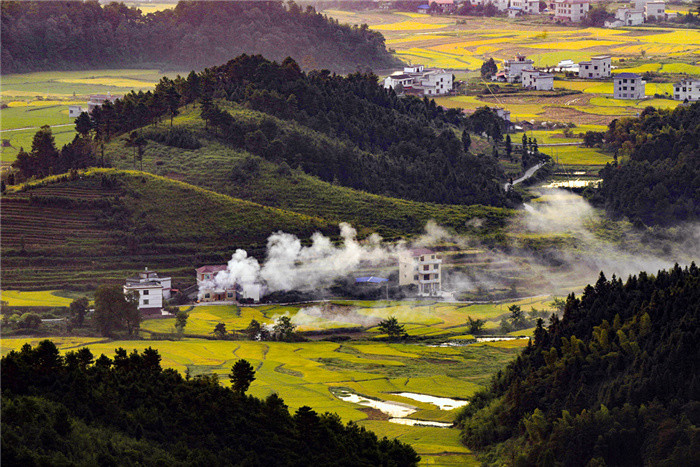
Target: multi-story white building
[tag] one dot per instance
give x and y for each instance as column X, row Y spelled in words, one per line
column 626, row 17
column 529, row 7
column 537, row 80
column 514, row 68
column 628, row 86
column 655, row 10
column 423, row 268
column 571, row 10
column 151, row 290
column 596, row 67
column 687, row 89
column 417, row 79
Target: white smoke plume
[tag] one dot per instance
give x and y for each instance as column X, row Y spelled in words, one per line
column 291, row 266
column 591, row 246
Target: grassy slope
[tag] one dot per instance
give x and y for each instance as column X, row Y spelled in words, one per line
column 167, row 224
column 218, row 168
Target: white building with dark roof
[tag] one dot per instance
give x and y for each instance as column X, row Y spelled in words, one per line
column 423, row 268
column 628, row 86
column 151, row 289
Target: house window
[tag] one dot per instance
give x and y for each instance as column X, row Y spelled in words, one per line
column 229, row 294
column 206, row 276
column 206, row 295
column 145, row 292
column 415, row 278
column 426, row 267
column 145, row 302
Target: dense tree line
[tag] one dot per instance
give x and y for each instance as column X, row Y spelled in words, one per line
column 658, row 179
column 63, row 35
column 372, row 139
column 381, row 143
column 614, row 382
column 127, row 410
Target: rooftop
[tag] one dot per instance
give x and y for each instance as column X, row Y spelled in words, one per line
column 627, row 75
column 421, row 251
column 211, row 268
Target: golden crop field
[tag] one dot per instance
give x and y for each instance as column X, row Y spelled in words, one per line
column 39, row 298
column 463, row 43
column 310, row 373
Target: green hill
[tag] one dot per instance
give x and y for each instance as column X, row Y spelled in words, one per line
column 76, row 229
column 614, row 382
column 236, row 172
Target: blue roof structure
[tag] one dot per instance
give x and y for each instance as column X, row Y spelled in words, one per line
column 371, row 279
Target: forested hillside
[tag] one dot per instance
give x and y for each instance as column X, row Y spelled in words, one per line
column 74, row 35
column 348, row 131
column 658, row 179
column 614, row 382
column 127, row 410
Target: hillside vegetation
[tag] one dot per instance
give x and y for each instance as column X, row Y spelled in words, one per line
column 72, row 230
column 658, row 181
column 76, row 409
column 264, row 179
column 612, row 383
column 77, row 229
column 43, row 36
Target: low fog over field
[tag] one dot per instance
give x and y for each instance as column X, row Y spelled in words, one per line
column 578, row 244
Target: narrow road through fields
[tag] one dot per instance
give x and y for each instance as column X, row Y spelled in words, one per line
column 35, row 127
column 528, row 173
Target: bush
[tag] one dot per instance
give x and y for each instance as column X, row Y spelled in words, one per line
column 176, row 137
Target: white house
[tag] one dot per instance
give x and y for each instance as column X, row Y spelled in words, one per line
column 417, row 79
column 501, row 5
column 423, row 268
column 628, row 86
column 514, row 68
column 502, row 113
column 655, row 10
column 95, row 100
column 514, row 12
column 687, row 89
column 571, row 10
column 537, row 80
column 529, row 7
column 627, row 17
column 596, row 67
column 151, row 289
column 74, row 111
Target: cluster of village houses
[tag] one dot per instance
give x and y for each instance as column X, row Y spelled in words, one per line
column 421, row 81
column 572, row 11
column 420, row 267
